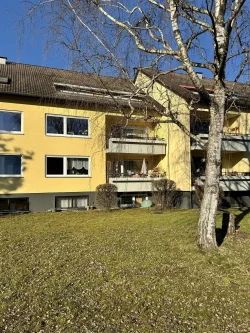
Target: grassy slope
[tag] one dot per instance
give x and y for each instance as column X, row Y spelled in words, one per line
column 123, row 271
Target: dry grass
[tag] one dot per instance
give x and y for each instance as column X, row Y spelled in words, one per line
column 122, row 271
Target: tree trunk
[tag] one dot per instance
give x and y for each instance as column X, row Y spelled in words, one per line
column 231, row 225
column 207, row 222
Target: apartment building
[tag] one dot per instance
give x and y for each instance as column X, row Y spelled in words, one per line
column 63, row 133
column 185, row 159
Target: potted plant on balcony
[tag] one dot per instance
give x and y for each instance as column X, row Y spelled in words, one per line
column 155, row 172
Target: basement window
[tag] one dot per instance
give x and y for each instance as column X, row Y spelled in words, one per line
column 68, row 203
column 12, row 205
column 67, row 166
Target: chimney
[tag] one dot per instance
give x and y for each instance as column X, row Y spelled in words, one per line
column 3, row 60
column 199, row 74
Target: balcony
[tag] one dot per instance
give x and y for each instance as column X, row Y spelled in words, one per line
column 229, row 142
column 232, row 181
column 133, row 184
column 137, row 145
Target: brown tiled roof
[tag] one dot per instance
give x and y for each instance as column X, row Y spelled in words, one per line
column 37, row 81
column 177, row 82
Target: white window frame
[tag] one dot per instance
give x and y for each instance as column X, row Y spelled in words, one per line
column 65, row 126
column 65, row 175
column 22, row 119
column 133, row 127
column 72, row 197
column 14, row 176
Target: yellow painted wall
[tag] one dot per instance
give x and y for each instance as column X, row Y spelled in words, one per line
column 177, row 162
column 236, row 161
column 34, row 145
column 122, row 121
column 240, row 122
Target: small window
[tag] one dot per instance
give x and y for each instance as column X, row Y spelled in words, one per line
column 67, row 126
column 127, row 200
column 14, row 205
column 67, row 166
column 77, row 126
column 71, row 203
column 54, row 165
column 4, row 205
column 10, row 121
column 10, row 165
column 77, row 166
column 54, row 125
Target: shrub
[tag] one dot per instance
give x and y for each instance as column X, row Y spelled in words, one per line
column 165, row 194
column 106, row 197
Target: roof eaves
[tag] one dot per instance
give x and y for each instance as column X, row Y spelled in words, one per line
column 137, row 104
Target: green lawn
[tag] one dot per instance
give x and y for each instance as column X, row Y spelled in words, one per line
column 122, row 271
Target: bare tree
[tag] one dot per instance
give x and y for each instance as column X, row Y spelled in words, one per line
column 169, row 35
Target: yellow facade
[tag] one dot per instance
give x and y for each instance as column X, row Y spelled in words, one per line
column 178, row 159
column 35, row 145
column 176, row 163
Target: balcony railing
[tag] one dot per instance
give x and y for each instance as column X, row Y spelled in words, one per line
column 136, row 144
column 229, row 180
column 135, row 175
column 224, row 173
column 133, row 183
column 136, row 136
column 229, row 142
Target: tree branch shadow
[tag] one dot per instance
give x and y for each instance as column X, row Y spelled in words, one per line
column 10, row 184
column 222, row 232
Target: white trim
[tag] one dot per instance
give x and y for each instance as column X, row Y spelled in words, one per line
column 65, row 175
column 22, row 121
column 65, row 126
column 14, row 175
column 72, row 197
column 123, row 92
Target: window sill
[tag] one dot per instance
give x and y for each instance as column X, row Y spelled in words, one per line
column 11, row 176
column 72, row 176
column 9, row 132
column 68, row 136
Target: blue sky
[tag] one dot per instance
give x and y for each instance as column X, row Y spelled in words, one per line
column 28, row 49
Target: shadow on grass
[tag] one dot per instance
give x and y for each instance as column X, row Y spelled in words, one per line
column 239, row 217
column 222, row 232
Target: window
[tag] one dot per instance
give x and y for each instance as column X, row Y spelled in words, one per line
column 71, row 203
column 54, row 125
column 14, row 205
column 118, row 131
column 77, row 166
column 133, row 167
column 67, row 126
column 10, row 122
column 55, row 166
column 132, row 201
column 67, row 166
column 10, row 165
column 136, row 132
